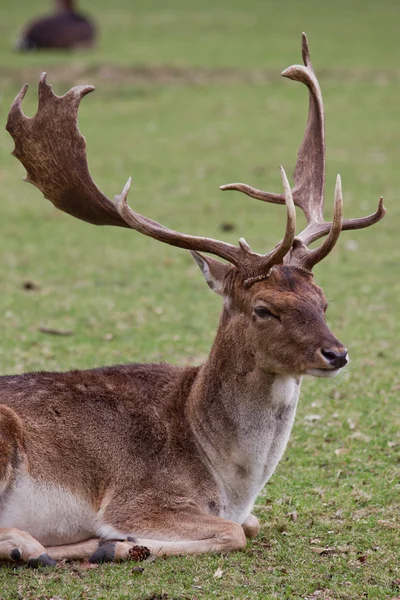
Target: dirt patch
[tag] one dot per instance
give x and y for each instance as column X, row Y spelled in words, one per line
column 186, row 76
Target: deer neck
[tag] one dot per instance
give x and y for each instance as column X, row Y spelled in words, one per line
column 241, row 416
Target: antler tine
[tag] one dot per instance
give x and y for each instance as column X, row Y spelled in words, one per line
column 314, row 232
column 315, row 256
column 248, row 262
column 277, row 255
column 254, row 192
column 309, row 173
column 239, row 256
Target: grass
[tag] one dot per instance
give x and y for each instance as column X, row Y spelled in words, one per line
column 188, row 97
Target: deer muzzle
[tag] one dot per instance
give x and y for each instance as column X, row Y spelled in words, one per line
column 336, row 358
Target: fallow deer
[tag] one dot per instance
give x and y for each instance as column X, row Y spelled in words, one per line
column 65, row 29
column 95, row 462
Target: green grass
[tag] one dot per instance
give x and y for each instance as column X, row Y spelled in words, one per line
column 225, row 115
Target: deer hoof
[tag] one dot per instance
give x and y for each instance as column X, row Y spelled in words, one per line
column 104, row 553
column 44, row 560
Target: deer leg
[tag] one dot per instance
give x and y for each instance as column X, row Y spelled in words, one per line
column 98, row 550
column 251, row 526
column 187, row 533
column 16, row 545
column 20, row 545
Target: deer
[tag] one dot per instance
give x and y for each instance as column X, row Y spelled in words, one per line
column 110, row 463
column 65, row 29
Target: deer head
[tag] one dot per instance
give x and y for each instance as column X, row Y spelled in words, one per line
column 272, row 307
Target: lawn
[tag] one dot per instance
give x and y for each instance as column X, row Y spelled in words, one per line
column 188, row 98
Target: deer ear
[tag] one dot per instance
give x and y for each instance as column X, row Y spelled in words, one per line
column 213, row 270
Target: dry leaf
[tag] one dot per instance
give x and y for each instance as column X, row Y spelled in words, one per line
column 393, row 444
column 85, row 565
column 312, row 418
column 362, row 559
column 361, row 495
column 137, row 570
column 357, row 435
column 389, row 524
column 218, row 573
column 30, row 286
column 226, row 226
column 53, row 331
column 343, row 549
column 326, row 550
column 340, row 451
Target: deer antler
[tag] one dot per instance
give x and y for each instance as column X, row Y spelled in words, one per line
column 53, row 151
column 309, row 178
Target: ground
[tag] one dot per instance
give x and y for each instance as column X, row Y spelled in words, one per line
column 188, row 98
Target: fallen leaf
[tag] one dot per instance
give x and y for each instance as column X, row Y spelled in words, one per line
column 361, row 495
column 137, row 570
column 218, row 573
column 53, row 331
column 312, row 418
column 340, row 451
column 226, row 226
column 358, row 435
column 394, row 444
column 326, row 550
column 263, row 507
column 363, row 558
column 30, row 286
column 389, row 524
column 343, row 549
column 85, row 565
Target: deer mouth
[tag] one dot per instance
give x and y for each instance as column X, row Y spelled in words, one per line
column 323, row 372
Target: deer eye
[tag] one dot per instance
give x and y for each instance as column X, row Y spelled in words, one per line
column 264, row 313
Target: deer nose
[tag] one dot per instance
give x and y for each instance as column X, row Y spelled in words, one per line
column 336, row 358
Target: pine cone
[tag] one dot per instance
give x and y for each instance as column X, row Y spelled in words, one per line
column 139, row 553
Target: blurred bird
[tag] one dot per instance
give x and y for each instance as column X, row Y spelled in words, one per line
column 64, row 29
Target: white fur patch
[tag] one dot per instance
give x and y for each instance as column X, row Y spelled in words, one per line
column 243, row 474
column 108, row 532
column 51, row 514
column 283, row 390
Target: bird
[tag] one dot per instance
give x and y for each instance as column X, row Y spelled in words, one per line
column 64, row 29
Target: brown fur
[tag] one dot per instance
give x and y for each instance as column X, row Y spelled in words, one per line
column 126, row 438
column 172, row 457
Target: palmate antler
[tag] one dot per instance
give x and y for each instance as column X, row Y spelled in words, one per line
column 309, row 178
column 53, row 151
